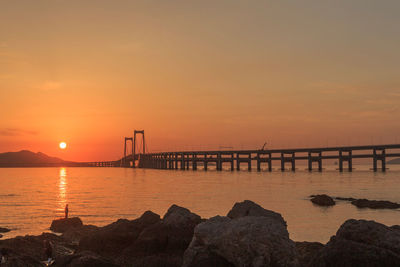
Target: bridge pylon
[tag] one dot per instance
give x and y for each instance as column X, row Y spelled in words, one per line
column 140, row 164
column 126, row 162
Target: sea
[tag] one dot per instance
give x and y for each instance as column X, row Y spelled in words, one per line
column 30, row 198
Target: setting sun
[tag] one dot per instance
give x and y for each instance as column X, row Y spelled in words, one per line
column 63, row 145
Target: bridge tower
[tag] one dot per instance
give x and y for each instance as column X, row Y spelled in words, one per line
column 134, row 147
column 126, row 162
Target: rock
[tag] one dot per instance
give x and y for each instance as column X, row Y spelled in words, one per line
column 4, row 230
column 322, row 200
column 375, row 204
column 29, row 250
column 243, row 241
column 345, row 198
column 62, row 225
column 164, row 241
column 361, row 243
column 249, row 208
column 84, row 259
column 307, row 251
column 111, row 240
column 181, row 216
column 74, row 235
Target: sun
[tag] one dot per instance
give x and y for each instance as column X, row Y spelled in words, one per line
column 63, row 145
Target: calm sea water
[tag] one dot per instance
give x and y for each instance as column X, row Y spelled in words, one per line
column 30, row 198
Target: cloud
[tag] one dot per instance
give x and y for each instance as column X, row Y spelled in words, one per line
column 16, row 132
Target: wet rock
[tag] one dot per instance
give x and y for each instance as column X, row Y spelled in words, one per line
column 306, row 251
column 375, row 204
column 65, row 224
column 111, row 240
column 243, row 241
column 84, row 259
column 249, row 208
column 322, row 200
column 361, row 243
column 4, row 230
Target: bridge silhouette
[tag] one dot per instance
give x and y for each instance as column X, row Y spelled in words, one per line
column 185, row 160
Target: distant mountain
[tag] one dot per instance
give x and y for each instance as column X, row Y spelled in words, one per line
column 26, row 158
column 394, row 161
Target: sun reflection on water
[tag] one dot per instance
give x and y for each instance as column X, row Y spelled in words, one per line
column 62, row 186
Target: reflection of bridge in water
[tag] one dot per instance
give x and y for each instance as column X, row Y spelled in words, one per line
column 185, row 160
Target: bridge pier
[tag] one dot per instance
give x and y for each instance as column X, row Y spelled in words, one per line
column 291, row 159
column 346, row 158
column 381, row 157
column 312, row 158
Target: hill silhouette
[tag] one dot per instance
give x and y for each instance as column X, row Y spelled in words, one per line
column 26, row 158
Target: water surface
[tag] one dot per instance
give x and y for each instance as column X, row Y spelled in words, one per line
column 30, row 198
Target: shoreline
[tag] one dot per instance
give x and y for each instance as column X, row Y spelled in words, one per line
column 247, row 234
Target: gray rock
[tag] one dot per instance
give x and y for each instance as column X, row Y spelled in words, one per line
column 178, row 216
column 249, row 208
column 375, row 204
column 63, row 225
column 322, row 200
column 112, row 239
column 361, row 243
column 244, row 241
column 164, row 241
column 307, row 251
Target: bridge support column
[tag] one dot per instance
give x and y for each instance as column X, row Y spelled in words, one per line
column 249, row 163
column 381, row 157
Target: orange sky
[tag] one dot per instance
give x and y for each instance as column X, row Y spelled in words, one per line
column 197, row 75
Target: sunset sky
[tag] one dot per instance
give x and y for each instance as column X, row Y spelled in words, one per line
column 197, row 74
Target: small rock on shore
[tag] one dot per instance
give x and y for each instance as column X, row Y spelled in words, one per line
column 322, row 200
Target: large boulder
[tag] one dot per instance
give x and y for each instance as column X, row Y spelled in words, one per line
column 375, row 204
column 179, row 216
column 111, row 240
column 322, row 200
column 260, row 240
column 249, row 208
column 306, row 251
column 65, row 224
column 164, row 241
column 361, row 243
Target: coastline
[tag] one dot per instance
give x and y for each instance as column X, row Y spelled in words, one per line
column 248, row 234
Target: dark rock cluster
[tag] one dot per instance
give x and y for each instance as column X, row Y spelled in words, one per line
column 248, row 236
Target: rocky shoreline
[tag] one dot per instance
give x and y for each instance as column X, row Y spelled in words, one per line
column 248, row 236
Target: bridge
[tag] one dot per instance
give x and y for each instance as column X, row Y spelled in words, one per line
column 286, row 159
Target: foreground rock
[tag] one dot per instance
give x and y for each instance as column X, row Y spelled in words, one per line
column 322, row 200
column 306, row 251
column 249, row 208
column 28, row 250
column 163, row 243
column 361, row 243
column 245, row 240
column 375, row 204
column 63, row 225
